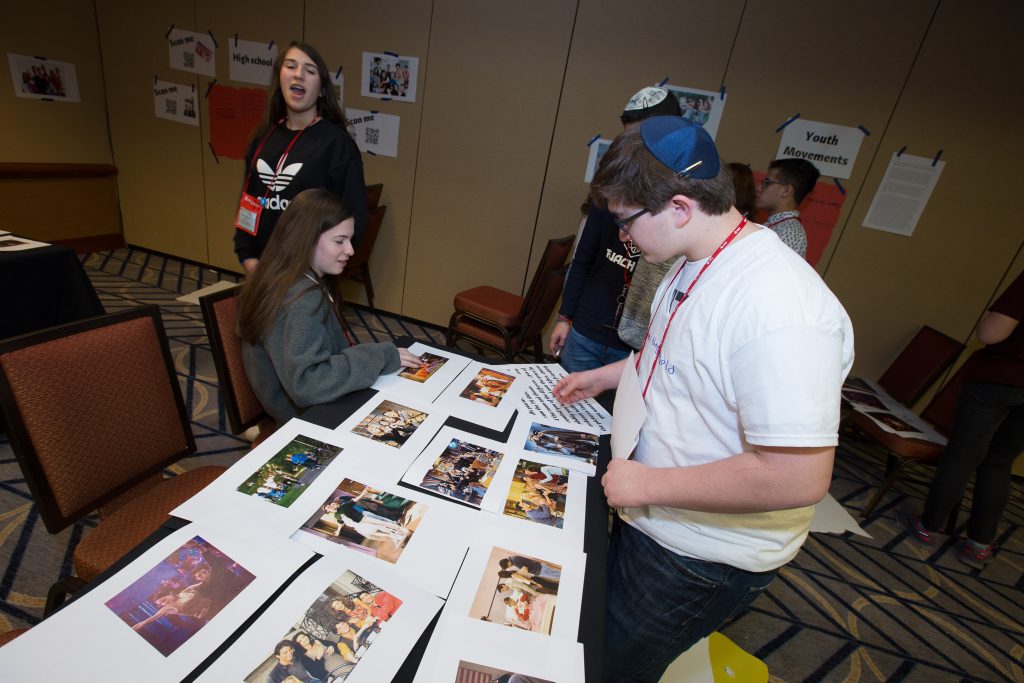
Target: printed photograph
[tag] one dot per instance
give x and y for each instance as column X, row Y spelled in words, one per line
column 389, row 76
column 332, row 636
column 488, row 387
column 696, row 106
column 863, row 398
column 431, row 364
column 564, row 442
column 893, row 422
column 462, row 471
column 390, row 423
column 290, row 471
column 367, row 520
column 538, row 493
column 171, row 602
column 478, row 673
column 517, row 591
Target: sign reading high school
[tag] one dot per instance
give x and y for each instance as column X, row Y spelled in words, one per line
column 831, row 148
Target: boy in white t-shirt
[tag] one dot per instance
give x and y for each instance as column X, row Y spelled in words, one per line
column 741, row 373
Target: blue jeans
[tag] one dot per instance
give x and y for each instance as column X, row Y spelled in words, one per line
column 583, row 353
column 987, row 436
column 659, row 604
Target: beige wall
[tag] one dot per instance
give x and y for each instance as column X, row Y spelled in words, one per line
column 491, row 154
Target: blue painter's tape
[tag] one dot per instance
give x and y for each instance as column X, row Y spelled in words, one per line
column 842, row 190
column 210, row 87
column 662, row 82
column 270, row 45
column 169, row 29
column 374, row 111
column 236, row 40
column 788, row 121
column 209, row 32
column 863, row 130
column 721, row 93
column 902, row 150
column 213, row 152
column 393, row 54
column 338, row 74
column 593, row 139
column 371, row 152
column 41, row 59
column 936, row 159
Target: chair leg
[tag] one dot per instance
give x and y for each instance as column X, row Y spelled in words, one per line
column 538, row 350
column 449, row 336
column 894, row 474
column 59, row 592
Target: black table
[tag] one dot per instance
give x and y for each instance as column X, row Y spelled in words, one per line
column 43, row 287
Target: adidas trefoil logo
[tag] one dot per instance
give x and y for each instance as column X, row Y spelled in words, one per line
column 276, row 182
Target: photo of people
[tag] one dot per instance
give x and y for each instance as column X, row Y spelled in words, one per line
column 390, row 423
column 462, row 471
column 366, row 519
column 173, row 601
column 488, row 387
column 290, row 471
column 468, row 671
column 430, row 363
column 863, row 398
column 570, row 443
column 390, row 76
column 517, row 591
column 538, row 493
column 696, row 107
column 333, row 634
column 894, row 423
column 37, row 78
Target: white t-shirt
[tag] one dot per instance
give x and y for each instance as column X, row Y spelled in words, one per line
column 756, row 355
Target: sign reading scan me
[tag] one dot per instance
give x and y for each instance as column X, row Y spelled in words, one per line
column 831, row 148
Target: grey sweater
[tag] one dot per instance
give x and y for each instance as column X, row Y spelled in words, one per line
column 305, row 359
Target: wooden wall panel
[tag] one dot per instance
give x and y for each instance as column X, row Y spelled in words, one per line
column 489, row 104
column 258, row 20
column 945, row 274
column 342, row 32
column 160, row 177
column 54, row 132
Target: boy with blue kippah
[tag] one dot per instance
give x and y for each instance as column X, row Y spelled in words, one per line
column 740, row 375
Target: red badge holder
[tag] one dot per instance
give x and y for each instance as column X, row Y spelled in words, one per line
column 249, row 210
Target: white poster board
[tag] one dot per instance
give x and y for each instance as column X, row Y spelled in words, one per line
column 831, row 148
column 389, row 76
column 39, row 78
column 251, row 61
column 426, row 382
column 175, row 102
column 192, row 52
column 374, row 132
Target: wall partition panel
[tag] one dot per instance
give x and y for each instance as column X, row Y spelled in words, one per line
column 489, row 104
column 961, row 98
column 342, row 32
column 160, row 179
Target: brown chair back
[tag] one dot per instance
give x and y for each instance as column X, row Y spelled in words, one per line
column 917, row 367
column 354, row 268
column 373, row 193
column 538, row 316
column 241, row 406
column 93, row 408
column 556, row 253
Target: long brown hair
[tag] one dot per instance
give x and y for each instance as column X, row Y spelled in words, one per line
column 286, row 260
column 327, row 106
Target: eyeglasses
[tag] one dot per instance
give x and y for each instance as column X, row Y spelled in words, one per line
column 765, row 182
column 623, row 223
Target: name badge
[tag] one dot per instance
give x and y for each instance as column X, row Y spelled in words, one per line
column 249, row 210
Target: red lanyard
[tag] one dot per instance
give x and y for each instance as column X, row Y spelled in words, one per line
column 284, row 156
column 684, row 297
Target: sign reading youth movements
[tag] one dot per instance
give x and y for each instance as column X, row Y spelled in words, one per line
column 832, row 149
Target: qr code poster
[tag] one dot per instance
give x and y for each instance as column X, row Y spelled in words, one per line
column 374, row 132
column 192, row 52
column 175, row 102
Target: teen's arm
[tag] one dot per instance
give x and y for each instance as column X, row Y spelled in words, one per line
column 580, row 385
column 995, row 327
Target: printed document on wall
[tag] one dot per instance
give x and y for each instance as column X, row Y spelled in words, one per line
column 905, row 190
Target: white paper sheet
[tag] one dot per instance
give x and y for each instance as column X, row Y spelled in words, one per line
column 573, row 447
column 462, row 646
column 484, row 395
column 539, row 402
column 251, row 61
column 95, row 644
column 389, row 76
column 305, row 605
column 11, row 243
column 404, row 382
column 175, row 102
column 374, row 132
column 831, row 148
column 277, row 492
column 548, row 603
column 558, row 504
column 459, row 466
column 832, row 518
column 629, row 411
column 903, row 194
column 43, row 79
column 428, row 548
column 193, row 298
column 192, row 52
column 389, row 431
column 597, row 149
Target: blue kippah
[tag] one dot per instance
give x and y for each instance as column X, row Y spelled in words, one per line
column 678, row 143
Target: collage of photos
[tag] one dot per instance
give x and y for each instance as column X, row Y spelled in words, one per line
column 333, row 634
column 430, row 363
column 463, row 471
column 368, row 520
column 538, row 494
column 171, row 602
column 290, row 471
column 517, row 591
column 488, row 387
column 560, row 441
column 477, row 673
column 390, row 424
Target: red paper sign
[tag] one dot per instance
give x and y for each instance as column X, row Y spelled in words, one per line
column 819, row 212
column 234, row 115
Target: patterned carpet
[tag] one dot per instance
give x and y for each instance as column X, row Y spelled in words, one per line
column 847, row 608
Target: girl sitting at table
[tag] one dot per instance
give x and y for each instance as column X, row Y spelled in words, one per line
column 294, row 347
